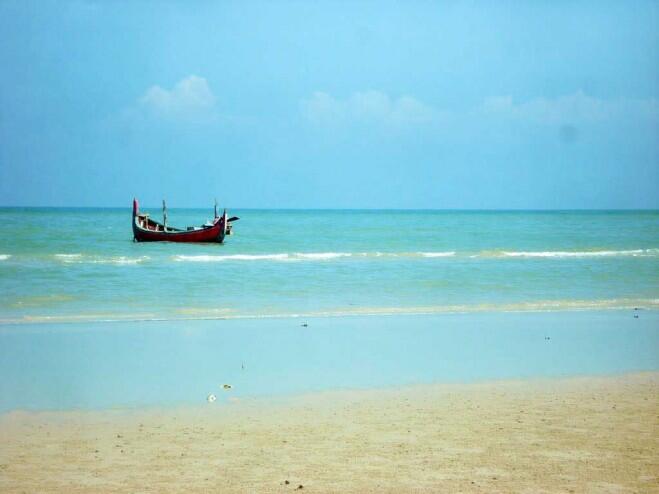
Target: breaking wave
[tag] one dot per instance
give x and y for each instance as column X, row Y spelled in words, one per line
column 4, row 257
column 322, row 255
column 79, row 258
column 235, row 257
column 66, row 257
column 437, row 254
column 305, row 256
column 594, row 253
column 327, row 256
column 93, row 259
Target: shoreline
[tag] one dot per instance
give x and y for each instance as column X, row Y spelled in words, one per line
column 237, row 404
column 579, row 434
column 540, row 307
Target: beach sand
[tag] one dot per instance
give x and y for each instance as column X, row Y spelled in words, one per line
column 587, row 434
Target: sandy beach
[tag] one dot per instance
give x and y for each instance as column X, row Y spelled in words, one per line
column 586, row 434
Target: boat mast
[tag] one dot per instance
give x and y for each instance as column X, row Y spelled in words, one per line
column 215, row 209
column 164, row 215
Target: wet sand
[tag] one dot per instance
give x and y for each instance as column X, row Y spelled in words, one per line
column 591, row 434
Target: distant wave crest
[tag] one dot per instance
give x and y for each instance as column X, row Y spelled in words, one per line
column 304, row 256
column 234, row 257
column 437, row 254
column 327, row 256
column 594, row 253
column 322, row 255
column 4, row 257
column 94, row 259
column 79, row 258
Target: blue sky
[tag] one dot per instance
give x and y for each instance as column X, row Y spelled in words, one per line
column 330, row 104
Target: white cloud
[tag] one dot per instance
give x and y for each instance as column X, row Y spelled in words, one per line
column 368, row 106
column 191, row 99
column 570, row 109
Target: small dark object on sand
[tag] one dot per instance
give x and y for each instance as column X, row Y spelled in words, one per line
column 305, row 325
column 300, row 486
column 286, row 482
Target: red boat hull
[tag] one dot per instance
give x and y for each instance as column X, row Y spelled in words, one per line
column 147, row 230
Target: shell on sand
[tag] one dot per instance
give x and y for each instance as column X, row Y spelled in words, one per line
column 211, row 398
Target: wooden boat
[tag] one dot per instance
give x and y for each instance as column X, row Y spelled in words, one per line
column 146, row 229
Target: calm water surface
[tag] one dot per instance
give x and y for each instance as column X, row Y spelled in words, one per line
column 170, row 363
column 69, row 264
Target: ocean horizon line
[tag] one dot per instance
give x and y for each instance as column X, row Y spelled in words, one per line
column 340, row 209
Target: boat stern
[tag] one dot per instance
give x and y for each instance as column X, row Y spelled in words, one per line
column 224, row 227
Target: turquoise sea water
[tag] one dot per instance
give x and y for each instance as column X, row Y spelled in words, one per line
column 81, row 264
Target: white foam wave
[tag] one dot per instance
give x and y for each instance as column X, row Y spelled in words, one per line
column 322, row 255
column 234, row 257
column 122, row 260
column 326, row 256
column 595, row 253
column 82, row 259
column 298, row 256
column 437, row 254
column 306, row 256
column 4, row 257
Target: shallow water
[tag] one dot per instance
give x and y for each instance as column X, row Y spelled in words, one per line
column 81, row 264
column 135, row 364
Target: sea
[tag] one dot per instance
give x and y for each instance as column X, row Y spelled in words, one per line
column 308, row 300
column 82, row 264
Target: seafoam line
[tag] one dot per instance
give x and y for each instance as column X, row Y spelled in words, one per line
column 595, row 253
column 94, row 259
column 78, row 258
column 305, row 256
column 194, row 314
